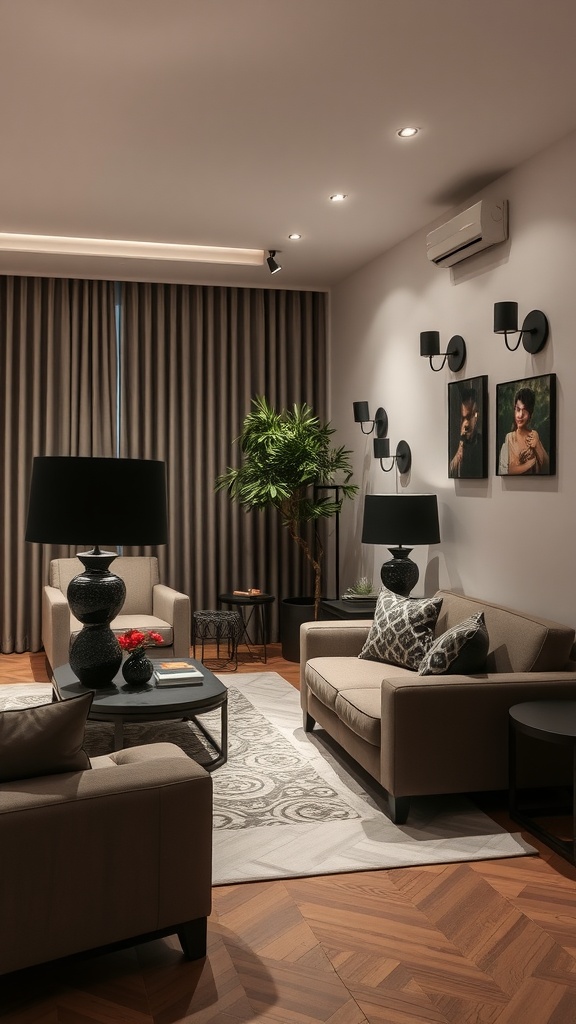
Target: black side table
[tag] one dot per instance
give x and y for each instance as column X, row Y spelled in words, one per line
column 251, row 607
column 553, row 721
column 348, row 609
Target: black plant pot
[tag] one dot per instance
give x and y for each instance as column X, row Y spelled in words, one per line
column 293, row 612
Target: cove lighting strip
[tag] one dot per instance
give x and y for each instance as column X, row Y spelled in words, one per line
column 63, row 245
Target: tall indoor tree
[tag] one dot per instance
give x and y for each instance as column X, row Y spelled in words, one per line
column 286, row 457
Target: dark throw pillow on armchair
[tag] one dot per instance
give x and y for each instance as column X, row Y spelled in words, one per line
column 44, row 740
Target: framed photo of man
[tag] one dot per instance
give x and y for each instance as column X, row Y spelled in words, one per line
column 467, row 429
column 526, row 426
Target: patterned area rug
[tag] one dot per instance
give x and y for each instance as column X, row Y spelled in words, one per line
column 289, row 803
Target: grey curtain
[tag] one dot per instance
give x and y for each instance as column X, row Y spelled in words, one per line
column 57, row 397
column 193, row 357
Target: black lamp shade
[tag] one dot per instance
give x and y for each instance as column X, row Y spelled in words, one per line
column 505, row 317
column 381, row 447
column 430, row 343
column 400, row 519
column 76, row 500
column 361, row 412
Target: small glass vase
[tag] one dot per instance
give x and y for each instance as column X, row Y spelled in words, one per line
column 137, row 668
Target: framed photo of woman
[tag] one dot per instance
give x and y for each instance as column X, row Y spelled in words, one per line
column 526, row 426
column 467, row 419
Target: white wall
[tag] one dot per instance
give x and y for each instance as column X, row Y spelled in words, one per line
column 506, row 539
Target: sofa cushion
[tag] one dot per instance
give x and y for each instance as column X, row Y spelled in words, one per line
column 460, row 650
column 327, row 677
column 360, row 710
column 44, row 740
column 402, row 631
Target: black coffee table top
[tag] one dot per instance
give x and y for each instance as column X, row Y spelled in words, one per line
column 123, row 699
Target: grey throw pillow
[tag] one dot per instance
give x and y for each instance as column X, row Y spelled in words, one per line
column 403, row 629
column 44, row 740
column 460, row 650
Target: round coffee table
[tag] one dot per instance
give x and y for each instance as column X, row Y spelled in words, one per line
column 122, row 704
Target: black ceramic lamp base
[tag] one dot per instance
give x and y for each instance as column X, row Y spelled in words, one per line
column 400, row 574
column 95, row 597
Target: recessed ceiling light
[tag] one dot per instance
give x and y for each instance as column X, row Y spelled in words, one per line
column 294, row 237
column 407, row 133
column 338, row 197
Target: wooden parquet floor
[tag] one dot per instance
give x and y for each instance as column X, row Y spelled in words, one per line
column 481, row 943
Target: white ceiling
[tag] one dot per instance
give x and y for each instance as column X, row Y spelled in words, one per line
column 230, row 122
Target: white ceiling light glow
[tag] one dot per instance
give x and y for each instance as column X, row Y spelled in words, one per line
column 407, row 133
column 338, row 197
column 64, row 245
column 294, row 237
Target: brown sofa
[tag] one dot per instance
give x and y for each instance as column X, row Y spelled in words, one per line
column 116, row 854
column 419, row 735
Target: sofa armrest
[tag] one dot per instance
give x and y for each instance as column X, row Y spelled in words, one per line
column 327, row 638
column 174, row 607
column 430, row 724
column 126, row 851
column 55, row 626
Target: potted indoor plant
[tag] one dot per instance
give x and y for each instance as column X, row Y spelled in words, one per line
column 284, row 454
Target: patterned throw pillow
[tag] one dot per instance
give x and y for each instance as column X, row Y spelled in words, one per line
column 403, row 629
column 459, row 650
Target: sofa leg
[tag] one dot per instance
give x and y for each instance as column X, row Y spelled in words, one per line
column 309, row 722
column 399, row 808
column 192, row 936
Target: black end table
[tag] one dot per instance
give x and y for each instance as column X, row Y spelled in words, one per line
column 251, row 607
column 553, row 721
column 349, row 609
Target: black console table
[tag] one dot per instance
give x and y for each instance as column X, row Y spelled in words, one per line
column 348, row 609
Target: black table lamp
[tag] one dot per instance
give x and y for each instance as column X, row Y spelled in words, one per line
column 402, row 519
column 76, row 500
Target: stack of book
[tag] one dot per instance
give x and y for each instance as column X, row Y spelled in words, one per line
column 182, row 672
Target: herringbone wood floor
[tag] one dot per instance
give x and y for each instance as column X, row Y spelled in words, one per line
column 482, row 943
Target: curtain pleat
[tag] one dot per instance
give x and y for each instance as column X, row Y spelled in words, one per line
column 58, row 397
column 193, row 357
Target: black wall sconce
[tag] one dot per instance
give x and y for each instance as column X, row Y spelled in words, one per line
column 455, row 353
column 534, row 333
column 402, row 459
column 362, row 416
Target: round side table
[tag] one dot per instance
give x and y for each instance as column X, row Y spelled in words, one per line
column 553, row 721
column 253, row 609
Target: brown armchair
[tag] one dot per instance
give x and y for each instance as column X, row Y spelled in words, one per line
column 126, row 856
column 149, row 605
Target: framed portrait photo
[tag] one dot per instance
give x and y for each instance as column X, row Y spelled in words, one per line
column 526, row 426
column 467, row 429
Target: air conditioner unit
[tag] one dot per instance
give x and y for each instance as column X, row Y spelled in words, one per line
column 480, row 226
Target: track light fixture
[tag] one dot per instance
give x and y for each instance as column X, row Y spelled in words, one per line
column 273, row 266
column 362, row 416
column 534, row 333
column 402, row 459
column 455, row 353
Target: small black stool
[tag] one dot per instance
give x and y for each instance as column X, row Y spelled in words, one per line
column 216, row 626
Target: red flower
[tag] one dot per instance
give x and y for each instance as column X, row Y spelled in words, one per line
column 135, row 639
